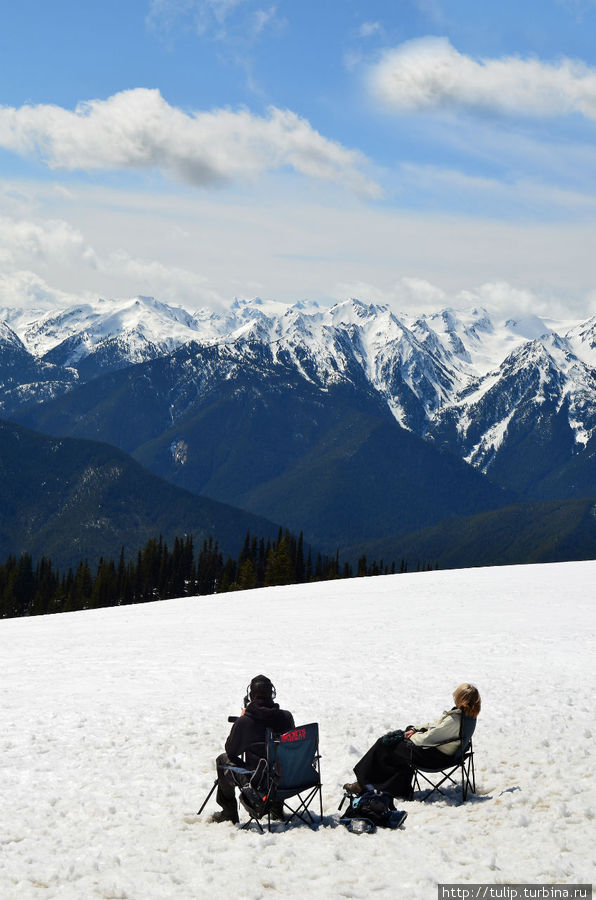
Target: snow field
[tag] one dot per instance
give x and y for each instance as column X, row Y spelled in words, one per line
column 111, row 720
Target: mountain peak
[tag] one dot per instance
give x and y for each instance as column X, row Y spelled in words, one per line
column 529, row 327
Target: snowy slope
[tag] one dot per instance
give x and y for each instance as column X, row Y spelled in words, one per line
column 144, row 318
column 23, row 377
column 582, row 338
column 475, row 343
column 9, row 338
column 453, row 375
column 111, row 720
column 539, row 374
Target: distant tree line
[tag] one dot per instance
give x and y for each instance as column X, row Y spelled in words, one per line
column 159, row 572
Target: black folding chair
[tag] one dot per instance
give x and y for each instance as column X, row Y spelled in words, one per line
column 462, row 763
column 293, row 764
column 290, row 769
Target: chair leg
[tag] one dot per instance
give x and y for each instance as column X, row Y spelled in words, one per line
column 301, row 811
column 469, row 782
column 247, row 825
column 205, row 801
column 447, row 776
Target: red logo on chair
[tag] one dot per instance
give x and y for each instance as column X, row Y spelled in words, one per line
column 298, row 735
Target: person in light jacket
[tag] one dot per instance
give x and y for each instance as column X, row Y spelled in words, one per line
column 388, row 765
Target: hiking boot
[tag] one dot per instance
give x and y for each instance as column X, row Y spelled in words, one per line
column 277, row 810
column 225, row 815
column 355, row 788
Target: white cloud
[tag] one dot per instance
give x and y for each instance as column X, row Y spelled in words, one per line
column 138, row 129
column 578, row 7
column 414, row 296
column 170, row 283
column 431, row 9
column 263, row 18
column 234, row 20
column 409, row 294
column 28, row 248
column 28, row 242
column 167, row 12
column 298, row 244
column 23, row 289
column 369, row 29
column 530, row 197
column 430, row 73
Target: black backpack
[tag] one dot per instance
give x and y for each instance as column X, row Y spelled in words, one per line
column 370, row 810
column 256, row 795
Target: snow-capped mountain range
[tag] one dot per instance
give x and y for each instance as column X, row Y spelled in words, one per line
column 456, row 377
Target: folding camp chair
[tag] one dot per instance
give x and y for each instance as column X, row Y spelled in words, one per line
column 294, row 769
column 462, row 762
column 290, row 769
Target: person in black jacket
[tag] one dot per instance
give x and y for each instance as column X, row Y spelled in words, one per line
column 245, row 745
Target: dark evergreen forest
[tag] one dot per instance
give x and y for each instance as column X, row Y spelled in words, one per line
column 160, row 572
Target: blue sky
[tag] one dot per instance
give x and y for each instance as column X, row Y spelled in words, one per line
column 419, row 153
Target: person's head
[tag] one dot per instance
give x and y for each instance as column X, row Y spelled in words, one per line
column 261, row 688
column 467, row 698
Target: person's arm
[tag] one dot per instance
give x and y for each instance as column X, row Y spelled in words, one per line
column 445, row 729
column 235, row 743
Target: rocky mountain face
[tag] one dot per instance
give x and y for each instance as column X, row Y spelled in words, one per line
column 307, row 414
column 24, row 378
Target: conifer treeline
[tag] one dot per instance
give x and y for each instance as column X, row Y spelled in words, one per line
column 159, row 572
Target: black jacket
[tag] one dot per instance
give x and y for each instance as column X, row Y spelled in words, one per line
column 250, row 729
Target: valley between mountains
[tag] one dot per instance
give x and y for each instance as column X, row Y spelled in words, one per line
column 447, row 437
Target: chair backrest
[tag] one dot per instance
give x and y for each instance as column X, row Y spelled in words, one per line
column 293, row 757
column 466, row 730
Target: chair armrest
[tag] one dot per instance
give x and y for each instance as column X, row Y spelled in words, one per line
column 238, row 769
column 449, row 741
column 439, row 744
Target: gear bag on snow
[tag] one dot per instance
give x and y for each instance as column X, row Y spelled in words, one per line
column 370, row 810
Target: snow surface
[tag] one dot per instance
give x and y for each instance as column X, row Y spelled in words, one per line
column 111, row 720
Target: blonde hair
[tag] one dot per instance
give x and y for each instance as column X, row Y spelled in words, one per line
column 467, row 698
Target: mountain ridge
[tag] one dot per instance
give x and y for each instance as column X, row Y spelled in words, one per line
column 313, row 411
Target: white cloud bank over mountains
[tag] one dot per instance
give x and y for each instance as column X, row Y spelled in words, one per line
column 429, row 73
column 138, row 129
column 52, row 245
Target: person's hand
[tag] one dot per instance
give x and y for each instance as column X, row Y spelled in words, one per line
column 393, row 737
column 409, row 734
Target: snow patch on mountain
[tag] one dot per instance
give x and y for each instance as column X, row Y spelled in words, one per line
column 457, row 375
column 137, row 323
column 9, row 338
column 582, row 338
column 490, row 442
